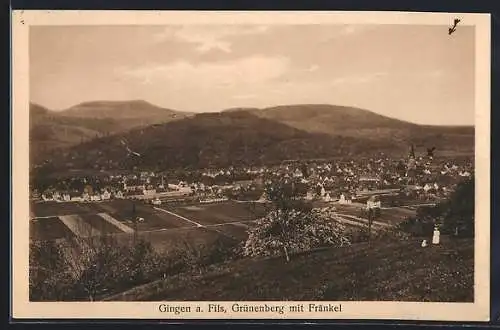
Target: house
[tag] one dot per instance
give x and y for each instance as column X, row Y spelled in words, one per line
column 298, row 173
column 119, row 194
column 76, row 197
column 47, row 197
column 132, row 185
column 373, row 202
column 149, row 191
column 263, row 198
column 366, row 178
column 106, row 195
column 345, row 198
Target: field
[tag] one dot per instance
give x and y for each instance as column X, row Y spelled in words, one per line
column 390, row 216
column 164, row 226
column 170, row 226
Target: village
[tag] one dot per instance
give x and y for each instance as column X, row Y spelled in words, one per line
column 392, row 181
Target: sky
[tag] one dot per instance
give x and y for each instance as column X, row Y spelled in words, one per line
column 417, row 73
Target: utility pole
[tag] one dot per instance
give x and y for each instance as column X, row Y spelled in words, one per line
column 370, row 221
column 134, row 220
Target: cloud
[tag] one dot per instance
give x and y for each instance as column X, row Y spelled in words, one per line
column 358, row 79
column 209, row 37
column 249, row 70
column 244, row 96
column 312, row 68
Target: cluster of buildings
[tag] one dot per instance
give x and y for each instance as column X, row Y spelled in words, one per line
column 342, row 181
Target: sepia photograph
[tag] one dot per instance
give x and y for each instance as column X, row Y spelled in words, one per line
column 289, row 167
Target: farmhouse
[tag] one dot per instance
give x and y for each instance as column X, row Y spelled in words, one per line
column 149, row 191
column 119, row 194
column 106, row 195
column 66, row 197
column 133, row 185
column 95, row 198
column 75, row 196
column 373, row 202
column 345, row 199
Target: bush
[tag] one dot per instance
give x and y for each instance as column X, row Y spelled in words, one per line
column 455, row 216
column 47, row 277
column 386, row 234
column 89, row 268
column 417, row 227
column 197, row 257
column 459, row 210
column 285, row 232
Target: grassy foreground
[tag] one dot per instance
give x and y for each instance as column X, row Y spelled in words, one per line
column 390, row 271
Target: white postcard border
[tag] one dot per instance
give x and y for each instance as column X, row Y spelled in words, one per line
column 22, row 308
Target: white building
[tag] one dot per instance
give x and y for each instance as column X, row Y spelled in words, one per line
column 106, row 195
column 344, row 200
column 77, row 199
column 372, row 203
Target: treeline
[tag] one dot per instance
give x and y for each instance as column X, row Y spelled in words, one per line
column 89, row 269
column 454, row 216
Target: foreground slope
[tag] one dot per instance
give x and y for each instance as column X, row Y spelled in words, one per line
column 386, row 271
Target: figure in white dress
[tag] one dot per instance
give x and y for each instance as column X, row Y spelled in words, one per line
column 436, row 236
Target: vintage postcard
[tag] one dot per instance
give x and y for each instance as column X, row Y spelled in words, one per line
column 251, row 165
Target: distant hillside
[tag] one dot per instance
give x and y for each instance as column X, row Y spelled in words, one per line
column 50, row 130
column 139, row 110
column 385, row 271
column 251, row 110
column 359, row 123
column 214, row 139
column 242, row 135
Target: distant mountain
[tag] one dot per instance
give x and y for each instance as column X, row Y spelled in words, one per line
column 50, row 130
column 241, row 136
column 359, row 123
column 330, row 119
column 251, row 110
column 143, row 111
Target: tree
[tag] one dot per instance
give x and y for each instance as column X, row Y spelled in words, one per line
column 458, row 215
column 292, row 226
column 93, row 263
column 47, row 280
column 455, row 215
